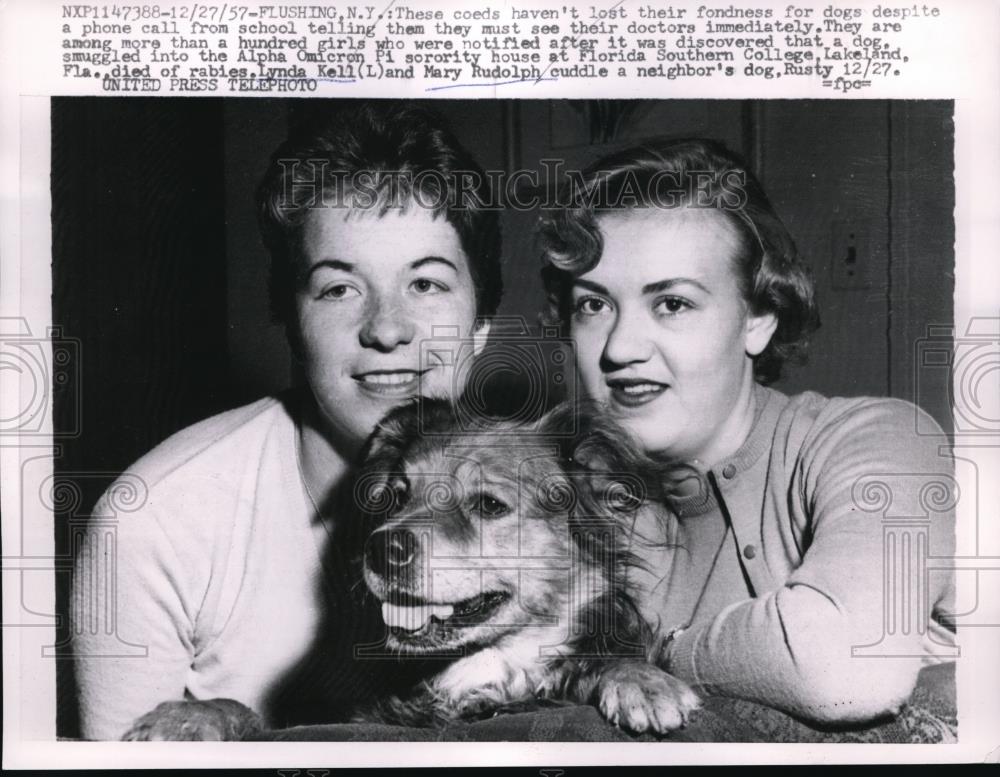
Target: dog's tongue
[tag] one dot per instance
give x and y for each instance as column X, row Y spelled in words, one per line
column 414, row 618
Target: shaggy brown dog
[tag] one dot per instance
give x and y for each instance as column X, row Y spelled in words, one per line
column 505, row 548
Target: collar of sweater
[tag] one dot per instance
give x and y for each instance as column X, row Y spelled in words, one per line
column 698, row 496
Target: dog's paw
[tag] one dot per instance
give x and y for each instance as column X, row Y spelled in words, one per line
column 640, row 697
column 215, row 720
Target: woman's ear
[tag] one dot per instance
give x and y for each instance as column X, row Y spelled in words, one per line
column 480, row 334
column 758, row 331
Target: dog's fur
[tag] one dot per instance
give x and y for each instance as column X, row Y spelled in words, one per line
column 528, row 524
column 536, row 518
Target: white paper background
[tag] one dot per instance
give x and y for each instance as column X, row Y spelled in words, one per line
column 955, row 57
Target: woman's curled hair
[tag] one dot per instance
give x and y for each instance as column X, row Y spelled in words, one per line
column 675, row 174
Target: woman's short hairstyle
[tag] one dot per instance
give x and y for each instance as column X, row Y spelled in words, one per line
column 374, row 157
column 685, row 173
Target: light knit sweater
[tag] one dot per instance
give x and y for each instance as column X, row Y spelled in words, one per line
column 219, row 586
column 791, row 563
column 218, row 574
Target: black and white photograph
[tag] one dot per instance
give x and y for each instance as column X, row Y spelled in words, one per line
column 443, row 385
column 569, row 420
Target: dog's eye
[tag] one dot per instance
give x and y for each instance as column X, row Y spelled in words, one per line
column 491, row 507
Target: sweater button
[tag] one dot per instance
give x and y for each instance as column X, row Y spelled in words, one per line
column 749, row 551
column 728, row 471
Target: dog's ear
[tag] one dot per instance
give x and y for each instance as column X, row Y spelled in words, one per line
column 588, row 438
column 404, row 425
column 593, row 445
column 391, row 434
column 379, row 480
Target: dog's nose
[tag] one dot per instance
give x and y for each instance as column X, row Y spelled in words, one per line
column 390, row 551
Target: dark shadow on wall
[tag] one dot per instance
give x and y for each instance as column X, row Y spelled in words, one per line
column 138, row 266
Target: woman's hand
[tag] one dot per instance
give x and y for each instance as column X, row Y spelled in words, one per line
column 215, row 720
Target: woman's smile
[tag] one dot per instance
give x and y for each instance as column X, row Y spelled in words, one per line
column 634, row 392
column 391, row 383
